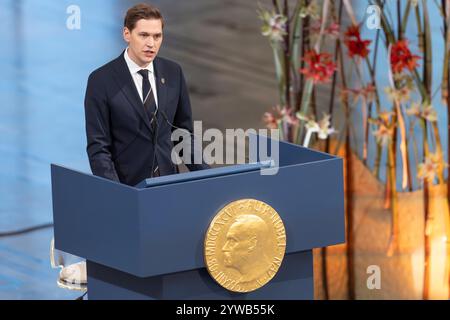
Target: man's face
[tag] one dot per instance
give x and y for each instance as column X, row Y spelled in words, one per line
column 144, row 40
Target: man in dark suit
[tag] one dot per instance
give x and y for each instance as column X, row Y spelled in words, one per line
column 133, row 103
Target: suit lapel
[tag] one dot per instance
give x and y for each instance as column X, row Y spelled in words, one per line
column 126, row 83
column 161, row 83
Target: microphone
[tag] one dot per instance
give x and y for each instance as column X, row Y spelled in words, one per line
column 174, row 126
column 155, row 138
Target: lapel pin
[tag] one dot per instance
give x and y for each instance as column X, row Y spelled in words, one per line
column 163, row 80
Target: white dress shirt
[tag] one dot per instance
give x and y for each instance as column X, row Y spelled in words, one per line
column 134, row 68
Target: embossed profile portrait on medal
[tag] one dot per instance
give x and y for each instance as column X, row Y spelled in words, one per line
column 245, row 248
column 245, row 245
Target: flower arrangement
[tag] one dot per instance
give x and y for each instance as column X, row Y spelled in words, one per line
column 396, row 121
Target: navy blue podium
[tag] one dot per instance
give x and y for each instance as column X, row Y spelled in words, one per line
column 147, row 242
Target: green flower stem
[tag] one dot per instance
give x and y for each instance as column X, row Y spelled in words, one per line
column 415, row 149
column 439, row 151
column 405, row 18
column 306, row 99
column 390, row 38
column 287, row 58
column 372, row 71
column 428, row 65
column 276, row 6
column 279, row 71
column 297, row 29
column 281, row 129
column 393, row 199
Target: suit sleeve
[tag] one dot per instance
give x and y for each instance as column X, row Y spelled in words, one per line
column 183, row 119
column 98, row 130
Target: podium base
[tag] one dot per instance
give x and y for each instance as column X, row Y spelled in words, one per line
column 294, row 281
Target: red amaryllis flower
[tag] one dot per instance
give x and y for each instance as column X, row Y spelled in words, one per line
column 401, row 57
column 353, row 32
column 355, row 45
column 319, row 66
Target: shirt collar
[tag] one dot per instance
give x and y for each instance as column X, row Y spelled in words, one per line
column 133, row 67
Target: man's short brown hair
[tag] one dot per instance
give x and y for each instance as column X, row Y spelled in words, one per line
column 141, row 11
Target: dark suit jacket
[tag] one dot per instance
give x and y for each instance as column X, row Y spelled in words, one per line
column 119, row 134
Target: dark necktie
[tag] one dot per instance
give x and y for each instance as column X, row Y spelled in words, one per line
column 147, row 94
column 150, row 108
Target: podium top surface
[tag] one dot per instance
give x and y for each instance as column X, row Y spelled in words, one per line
column 203, row 174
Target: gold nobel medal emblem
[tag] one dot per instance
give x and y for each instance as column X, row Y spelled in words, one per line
column 245, row 245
